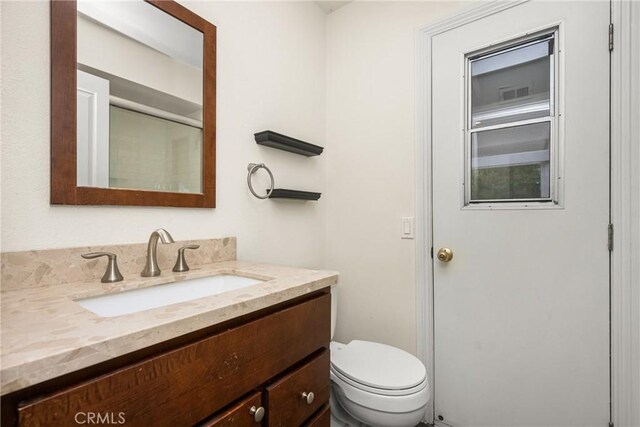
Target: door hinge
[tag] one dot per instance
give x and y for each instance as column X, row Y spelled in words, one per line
column 610, row 424
column 610, row 238
column 610, row 37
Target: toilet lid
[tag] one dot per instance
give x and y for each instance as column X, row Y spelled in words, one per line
column 378, row 365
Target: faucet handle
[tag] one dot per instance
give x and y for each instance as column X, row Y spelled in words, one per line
column 113, row 273
column 181, row 262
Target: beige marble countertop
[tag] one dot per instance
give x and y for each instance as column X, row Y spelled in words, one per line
column 46, row 334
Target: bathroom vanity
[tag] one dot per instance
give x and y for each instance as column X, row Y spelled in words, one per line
column 247, row 357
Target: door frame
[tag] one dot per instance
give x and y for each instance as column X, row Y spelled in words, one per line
column 625, row 312
column 625, row 213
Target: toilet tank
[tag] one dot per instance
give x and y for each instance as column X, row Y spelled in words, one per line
column 334, row 309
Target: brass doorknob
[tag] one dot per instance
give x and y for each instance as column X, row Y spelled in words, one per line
column 445, row 255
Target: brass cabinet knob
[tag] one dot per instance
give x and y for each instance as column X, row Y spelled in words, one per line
column 308, row 397
column 445, row 255
column 258, row 413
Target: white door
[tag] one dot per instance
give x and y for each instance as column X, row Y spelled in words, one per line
column 520, row 105
column 92, row 131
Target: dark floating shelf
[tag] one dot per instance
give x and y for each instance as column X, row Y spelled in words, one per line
column 282, row 142
column 283, row 193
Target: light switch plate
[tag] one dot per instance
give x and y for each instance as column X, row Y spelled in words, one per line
column 407, row 227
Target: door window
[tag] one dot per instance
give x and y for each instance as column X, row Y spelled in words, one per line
column 510, row 127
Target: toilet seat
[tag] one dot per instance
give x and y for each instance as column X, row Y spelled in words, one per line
column 377, row 391
column 378, row 368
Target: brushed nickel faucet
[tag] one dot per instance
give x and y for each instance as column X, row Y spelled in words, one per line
column 151, row 268
column 112, row 274
column 181, row 263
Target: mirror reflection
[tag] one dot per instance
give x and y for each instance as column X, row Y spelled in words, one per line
column 139, row 98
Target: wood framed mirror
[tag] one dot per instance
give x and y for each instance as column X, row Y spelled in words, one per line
column 133, row 104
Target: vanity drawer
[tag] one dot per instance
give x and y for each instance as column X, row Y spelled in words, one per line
column 287, row 405
column 188, row 384
column 239, row 415
column 321, row 419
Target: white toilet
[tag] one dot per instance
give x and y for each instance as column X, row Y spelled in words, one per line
column 374, row 384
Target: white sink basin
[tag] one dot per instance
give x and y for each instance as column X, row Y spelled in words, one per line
column 135, row 300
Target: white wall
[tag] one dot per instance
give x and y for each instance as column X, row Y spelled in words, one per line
column 371, row 96
column 271, row 75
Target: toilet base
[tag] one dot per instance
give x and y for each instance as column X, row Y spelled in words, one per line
column 340, row 417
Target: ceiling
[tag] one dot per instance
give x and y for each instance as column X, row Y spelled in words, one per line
column 329, row 6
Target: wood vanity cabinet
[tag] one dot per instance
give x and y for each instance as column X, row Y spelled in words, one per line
column 289, row 397
column 271, row 361
column 321, row 419
column 242, row 414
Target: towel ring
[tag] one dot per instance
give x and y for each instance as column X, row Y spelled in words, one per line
column 252, row 167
